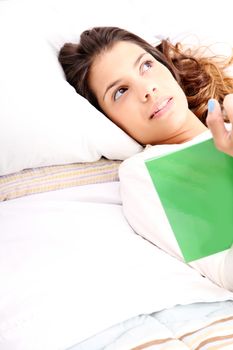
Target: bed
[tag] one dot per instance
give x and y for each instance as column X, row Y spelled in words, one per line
column 74, row 274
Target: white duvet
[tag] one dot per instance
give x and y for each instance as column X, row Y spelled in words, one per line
column 71, row 266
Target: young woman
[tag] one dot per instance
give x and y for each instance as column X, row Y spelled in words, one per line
column 159, row 96
column 129, row 80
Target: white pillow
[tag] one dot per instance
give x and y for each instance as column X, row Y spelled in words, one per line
column 43, row 121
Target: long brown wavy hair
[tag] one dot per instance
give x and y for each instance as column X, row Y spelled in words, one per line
column 200, row 77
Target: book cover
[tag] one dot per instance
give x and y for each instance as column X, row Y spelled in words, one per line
column 195, row 186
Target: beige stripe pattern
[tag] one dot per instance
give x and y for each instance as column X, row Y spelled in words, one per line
column 214, row 336
column 50, row 178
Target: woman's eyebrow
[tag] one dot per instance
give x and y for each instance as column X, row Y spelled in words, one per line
column 139, row 59
column 116, row 82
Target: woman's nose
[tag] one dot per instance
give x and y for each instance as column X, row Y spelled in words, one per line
column 150, row 92
column 146, row 91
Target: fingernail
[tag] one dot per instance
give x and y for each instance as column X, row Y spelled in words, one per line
column 210, row 106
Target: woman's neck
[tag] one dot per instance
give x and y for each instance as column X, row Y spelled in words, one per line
column 192, row 128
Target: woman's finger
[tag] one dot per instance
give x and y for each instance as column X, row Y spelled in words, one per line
column 215, row 121
column 228, row 106
column 223, row 138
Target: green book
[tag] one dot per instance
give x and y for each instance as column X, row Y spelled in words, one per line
column 195, row 186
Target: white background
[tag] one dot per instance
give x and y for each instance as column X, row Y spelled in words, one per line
column 203, row 18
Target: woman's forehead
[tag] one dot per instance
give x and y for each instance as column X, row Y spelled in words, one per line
column 121, row 54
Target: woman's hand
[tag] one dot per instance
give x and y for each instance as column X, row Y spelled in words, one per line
column 223, row 138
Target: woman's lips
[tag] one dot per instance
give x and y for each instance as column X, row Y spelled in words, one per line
column 162, row 107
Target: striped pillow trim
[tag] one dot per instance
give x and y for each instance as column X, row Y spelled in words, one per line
column 44, row 179
column 214, row 336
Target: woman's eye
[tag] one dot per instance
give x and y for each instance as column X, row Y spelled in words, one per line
column 119, row 93
column 146, row 65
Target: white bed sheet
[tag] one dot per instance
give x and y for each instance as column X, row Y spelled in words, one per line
column 71, row 266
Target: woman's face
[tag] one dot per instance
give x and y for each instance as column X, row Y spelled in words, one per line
column 139, row 94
